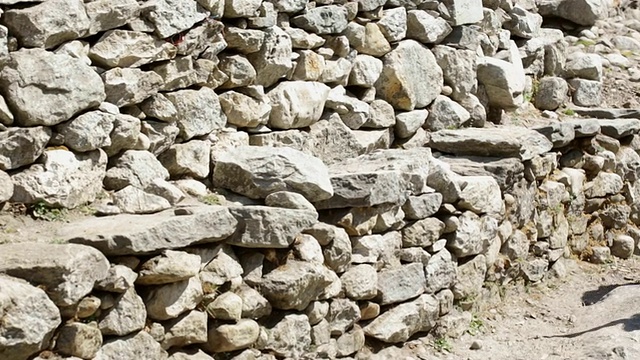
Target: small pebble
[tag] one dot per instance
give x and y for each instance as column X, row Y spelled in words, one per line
column 476, row 345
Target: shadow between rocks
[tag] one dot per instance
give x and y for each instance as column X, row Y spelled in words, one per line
column 629, row 324
column 593, row 296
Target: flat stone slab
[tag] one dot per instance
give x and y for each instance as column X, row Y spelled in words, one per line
column 619, row 128
column 605, row 113
column 385, row 176
column 148, row 234
column 502, row 142
column 584, row 127
column 506, row 171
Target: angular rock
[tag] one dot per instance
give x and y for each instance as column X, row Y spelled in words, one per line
column 294, row 285
column 258, row 171
column 109, row 14
column 198, row 112
column 239, row 9
column 582, row 12
column 130, row 86
column 322, row 20
column 48, row 24
column 552, row 93
column 231, row 337
column 243, row 110
column 62, row 179
column 459, row 68
column 422, row 206
column 136, row 346
column 366, row 71
column 401, row 283
column 170, row 266
column 504, row 81
column 78, row 339
column 169, row 301
column 426, row 28
column 147, row 234
column 68, row 272
column 470, row 278
column 499, row 142
column 136, row 168
column 619, row 128
column 126, row 316
column 6, row 187
column 188, row 159
column 289, row 337
column 289, row 200
column 445, row 113
column 22, row 146
column 440, row 272
column 473, row 234
column 481, row 194
column 586, row 92
column 273, row 60
column 121, row 48
column 170, row 17
column 72, row 86
column 422, row 233
column 401, row 322
column 398, row 84
column 28, row 321
column 296, row 104
column 464, row 11
column 190, row 328
column 360, row 282
column 125, row 134
column 393, row 23
column 227, row 306
column 87, row 132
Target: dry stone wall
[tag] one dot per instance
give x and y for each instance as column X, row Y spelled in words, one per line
column 293, row 179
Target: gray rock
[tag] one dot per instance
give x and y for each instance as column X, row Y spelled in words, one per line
column 29, row 319
column 245, row 41
column 126, row 316
column 365, row 71
column 470, row 278
column 61, row 179
column 343, row 314
column 188, row 159
column 289, row 200
column 48, row 24
column 426, row 28
column 393, row 23
column 296, row 104
column 472, row 235
column 118, row 279
column 196, row 354
column 422, row 206
column 360, row 282
column 534, row 270
column 147, row 234
column 481, row 194
column 619, row 128
column 72, row 87
column 188, row 329
column 227, row 306
column 499, row 142
column 125, row 135
column 408, row 123
column 122, row 48
column 133, row 200
column 170, row 17
column 381, row 177
column 623, row 246
column 170, row 266
column 68, row 272
column 459, row 69
column 245, row 8
column 273, row 60
column 398, row 324
column 464, row 11
column 87, row 132
column 166, row 302
column 254, row 305
column 198, row 112
column 440, row 272
column 586, row 92
column 552, row 93
column 238, row 69
column 398, row 84
column 331, row 19
column 401, row 283
column 231, row 337
column 422, row 233
column 78, row 339
column 445, row 113
column 136, row 168
column 106, row 14
column 504, row 81
column 603, row 184
column 130, row 86
column 294, row 285
column 257, row 172
column 22, row 146
column 165, row 189
column 6, row 187
column 523, row 23
column 243, row 110
column 581, row 12
column 136, row 346
column 161, row 135
column 289, row 337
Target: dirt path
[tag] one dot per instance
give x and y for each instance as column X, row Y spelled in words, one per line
column 593, row 313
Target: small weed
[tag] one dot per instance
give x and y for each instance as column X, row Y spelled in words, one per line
column 58, row 241
column 42, row 211
column 475, row 326
column 210, row 199
column 87, row 210
column 442, row 344
column 585, row 42
column 569, row 112
column 627, row 53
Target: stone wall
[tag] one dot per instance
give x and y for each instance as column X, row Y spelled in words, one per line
column 294, row 179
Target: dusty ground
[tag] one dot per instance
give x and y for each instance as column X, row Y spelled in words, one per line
column 593, row 313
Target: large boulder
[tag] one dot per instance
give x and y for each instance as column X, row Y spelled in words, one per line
column 29, row 319
column 147, row 234
column 401, row 322
column 411, row 77
column 67, row 272
column 259, row 171
column 61, row 179
column 71, row 87
column 582, row 12
column 504, row 81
